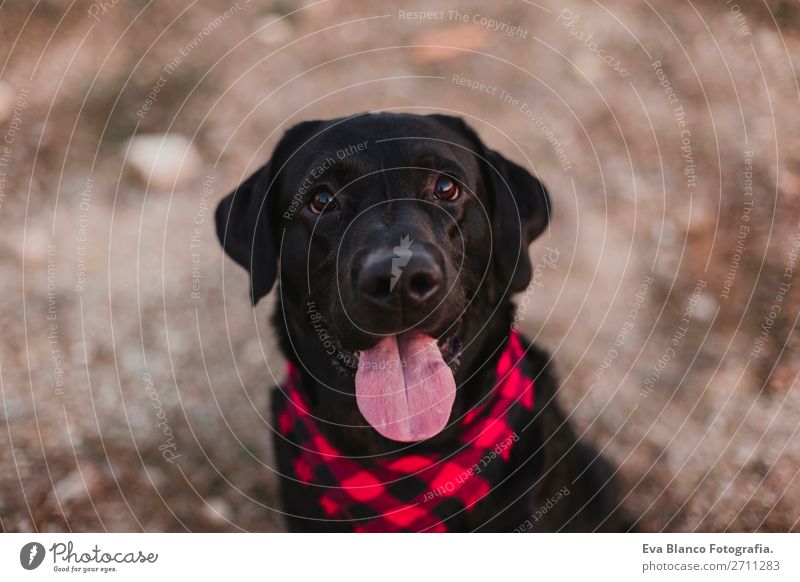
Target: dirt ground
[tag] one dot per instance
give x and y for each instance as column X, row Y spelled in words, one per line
column 133, row 371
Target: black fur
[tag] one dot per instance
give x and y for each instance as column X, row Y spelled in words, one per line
column 382, row 191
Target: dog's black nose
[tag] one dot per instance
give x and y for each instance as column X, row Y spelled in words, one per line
column 401, row 275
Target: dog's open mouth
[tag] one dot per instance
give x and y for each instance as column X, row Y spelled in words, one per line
column 404, row 384
column 404, row 388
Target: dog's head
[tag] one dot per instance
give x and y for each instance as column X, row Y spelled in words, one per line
column 393, row 234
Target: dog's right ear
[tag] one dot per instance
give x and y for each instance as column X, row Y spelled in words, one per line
column 248, row 219
column 245, row 230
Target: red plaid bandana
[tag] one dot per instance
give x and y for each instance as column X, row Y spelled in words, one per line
column 411, row 491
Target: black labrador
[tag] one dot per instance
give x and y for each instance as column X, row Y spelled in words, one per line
column 399, row 241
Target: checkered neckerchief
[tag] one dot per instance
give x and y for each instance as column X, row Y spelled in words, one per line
column 411, row 491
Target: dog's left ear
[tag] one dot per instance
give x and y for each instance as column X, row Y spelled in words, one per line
column 520, row 213
column 520, row 208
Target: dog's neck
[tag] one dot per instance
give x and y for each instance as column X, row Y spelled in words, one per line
column 331, row 393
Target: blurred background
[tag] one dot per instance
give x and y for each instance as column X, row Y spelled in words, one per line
column 133, row 370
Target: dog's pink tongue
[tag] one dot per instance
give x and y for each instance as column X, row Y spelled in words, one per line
column 404, row 389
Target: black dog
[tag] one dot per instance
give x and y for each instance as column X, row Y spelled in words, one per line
column 399, row 240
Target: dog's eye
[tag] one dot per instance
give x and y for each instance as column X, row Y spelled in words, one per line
column 322, row 200
column 446, row 189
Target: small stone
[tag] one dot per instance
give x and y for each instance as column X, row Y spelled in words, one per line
column 78, row 484
column 163, row 161
column 218, row 510
column 273, row 29
column 705, row 308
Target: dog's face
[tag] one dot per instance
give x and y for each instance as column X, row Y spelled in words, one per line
column 394, row 235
